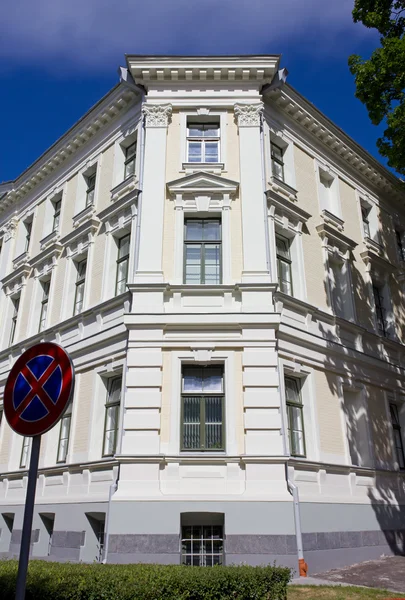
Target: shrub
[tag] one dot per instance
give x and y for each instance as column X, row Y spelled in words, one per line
column 67, row 581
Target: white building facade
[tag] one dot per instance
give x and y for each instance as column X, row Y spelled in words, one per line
column 226, row 269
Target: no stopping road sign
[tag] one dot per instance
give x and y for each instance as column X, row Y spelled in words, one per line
column 38, row 389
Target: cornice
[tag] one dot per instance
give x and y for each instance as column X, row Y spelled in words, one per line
column 317, row 124
column 96, row 119
column 330, row 236
column 155, row 70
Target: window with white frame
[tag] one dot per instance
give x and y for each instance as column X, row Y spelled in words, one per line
column 397, row 431
column 25, row 452
column 129, row 160
column 112, row 412
column 400, row 243
column 122, row 264
column 45, row 285
column 328, row 186
column 80, row 284
column 64, row 434
column 277, row 161
column 203, row 142
column 339, row 282
column 202, row 251
column 28, row 230
column 202, row 545
column 57, row 205
column 90, row 189
column 295, row 417
column 15, row 307
column 380, row 308
column 203, row 408
column 284, row 271
column 370, row 220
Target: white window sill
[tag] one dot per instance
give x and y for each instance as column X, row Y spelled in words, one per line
column 20, row 260
column 84, row 215
column 281, row 187
column 332, row 219
column 190, row 168
column 124, row 188
column 49, row 239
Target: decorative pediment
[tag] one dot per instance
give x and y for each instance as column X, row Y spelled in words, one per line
column 202, row 192
column 78, row 240
column 334, row 240
column 46, row 260
column 14, row 281
column 200, row 181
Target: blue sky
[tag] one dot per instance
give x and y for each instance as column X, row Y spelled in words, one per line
column 58, row 57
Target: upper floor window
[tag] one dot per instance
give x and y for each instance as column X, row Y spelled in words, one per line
column 284, row 264
column 380, row 310
column 91, row 186
column 295, row 416
column 80, row 285
column 202, row 251
column 328, row 186
column 396, row 426
column 365, row 211
column 203, row 142
column 122, row 264
column 64, row 434
column 399, row 237
column 44, row 304
column 28, row 227
column 277, row 161
column 203, row 408
column 25, row 452
column 112, row 411
column 16, row 306
column 57, row 204
column 130, row 158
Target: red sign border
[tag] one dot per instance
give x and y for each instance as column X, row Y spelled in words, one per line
column 68, row 381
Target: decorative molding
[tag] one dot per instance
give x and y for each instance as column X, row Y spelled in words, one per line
column 47, row 260
column 49, row 240
column 249, row 115
column 157, row 115
column 14, row 281
column 120, row 213
column 99, row 117
column 84, row 215
column 283, row 189
column 331, row 219
column 10, row 229
column 334, row 241
column 129, row 185
column 21, row 260
column 190, row 168
column 285, row 212
column 78, row 240
column 202, row 192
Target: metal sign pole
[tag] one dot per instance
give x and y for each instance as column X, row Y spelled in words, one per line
column 28, row 514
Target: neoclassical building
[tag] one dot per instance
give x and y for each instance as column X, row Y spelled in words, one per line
column 226, row 268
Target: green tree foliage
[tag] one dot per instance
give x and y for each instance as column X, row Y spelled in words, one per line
column 380, row 80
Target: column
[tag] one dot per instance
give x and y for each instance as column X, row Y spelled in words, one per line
column 149, row 267
column 255, row 268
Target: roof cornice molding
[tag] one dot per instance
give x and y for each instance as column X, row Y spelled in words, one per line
column 157, row 70
column 310, row 118
column 96, row 119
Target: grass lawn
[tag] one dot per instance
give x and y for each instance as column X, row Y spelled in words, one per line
column 313, row 592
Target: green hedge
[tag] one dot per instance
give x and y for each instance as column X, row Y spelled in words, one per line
column 67, row 581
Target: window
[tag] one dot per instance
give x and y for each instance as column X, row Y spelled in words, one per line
column 28, row 227
column 16, row 306
column 294, row 416
column 365, row 211
column 25, row 452
column 56, row 214
column 44, row 304
column 329, row 192
column 380, row 311
column 112, row 411
column 202, row 251
column 399, row 235
column 80, row 283
column 203, row 142
column 130, row 158
column 64, row 433
column 203, row 408
column 122, row 264
column 91, row 185
column 284, row 265
column 277, row 161
column 202, row 545
column 396, row 426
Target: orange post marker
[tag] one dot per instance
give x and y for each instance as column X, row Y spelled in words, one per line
column 302, row 567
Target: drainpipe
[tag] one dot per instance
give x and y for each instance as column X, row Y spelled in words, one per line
column 113, row 489
column 292, row 488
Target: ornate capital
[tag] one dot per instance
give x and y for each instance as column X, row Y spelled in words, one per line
column 157, row 115
column 10, row 229
column 249, row 115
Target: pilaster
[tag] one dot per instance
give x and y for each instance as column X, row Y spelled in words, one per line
column 255, row 267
